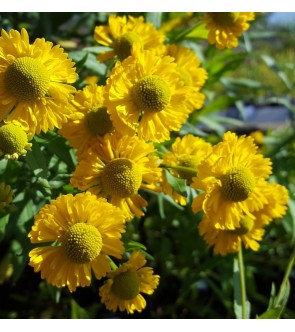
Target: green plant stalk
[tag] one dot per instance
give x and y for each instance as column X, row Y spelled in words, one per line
column 242, row 284
column 285, row 279
column 188, row 170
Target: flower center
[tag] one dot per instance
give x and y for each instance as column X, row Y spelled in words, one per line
column 237, row 184
column 225, row 19
column 82, row 243
column 123, row 44
column 13, row 139
column 151, row 94
column 98, row 122
column 126, row 285
column 27, row 79
column 246, row 225
column 185, row 76
column 121, row 177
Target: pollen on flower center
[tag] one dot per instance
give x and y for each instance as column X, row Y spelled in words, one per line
column 126, row 285
column 151, row 94
column 27, row 79
column 246, row 225
column 237, row 184
column 98, row 122
column 13, row 139
column 121, row 177
column 225, row 19
column 82, row 243
column 123, row 44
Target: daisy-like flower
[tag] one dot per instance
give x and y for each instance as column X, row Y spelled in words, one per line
column 232, row 179
column 250, row 230
column 89, row 121
column 188, row 66
column 123, row 33
column 80, row 232
column 34, row 81
column 186, row 154
column 225, row 28
column 116, row 168
column 122, row 290
column 14, row 140
column 6, row 195
column 145, row 95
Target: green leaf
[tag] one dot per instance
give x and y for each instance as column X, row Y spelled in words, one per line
column 199, row 32
column 36, row 161
column 78, row 312
column 178, row 185
column 270, row 314
column 3, row 222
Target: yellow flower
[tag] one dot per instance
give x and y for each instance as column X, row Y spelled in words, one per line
column 122, row 290
column 258, row 137
column 6, row 195
column 117, row 168
column 187, row 152
column 188, row 67
column 89, row 121
column 225, row 28
column 232, row 179
column 122, row 34
column 13, row 140
column 230, row 241
column 250, row 230
column 145, row 95
column 80, row 232
column 34, row 81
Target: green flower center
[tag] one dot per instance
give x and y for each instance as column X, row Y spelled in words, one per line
column 13, row 139
column 98, row 122
column 82, row 243
column 225, row 19
column 121, row 177
column 151, row 94
column 185, row 76
column 237, row 184
column 190, row 162
column 27, row 79
column 246, row 225
column 126, row 285
column 123, row 44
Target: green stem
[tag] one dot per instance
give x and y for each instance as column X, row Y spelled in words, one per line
column 242, row 284
column 189, row 170
column 285, row 279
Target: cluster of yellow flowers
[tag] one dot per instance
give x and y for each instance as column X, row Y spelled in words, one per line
column 150, row 92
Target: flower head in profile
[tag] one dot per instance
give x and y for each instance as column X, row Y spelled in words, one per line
column 146, row 96
column 122, row 290
column 89, row 121
column 117, row 168
column 251, row 230
column 232, row 179
column 123, row 33
column 186, row 154
column 6, row 195
column 14, row 140
column 77, row 234
column 34, row 81
column 225, row 28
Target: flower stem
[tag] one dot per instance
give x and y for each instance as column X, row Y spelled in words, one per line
column 189, row 170
column 285, row 279
column 242, row 284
